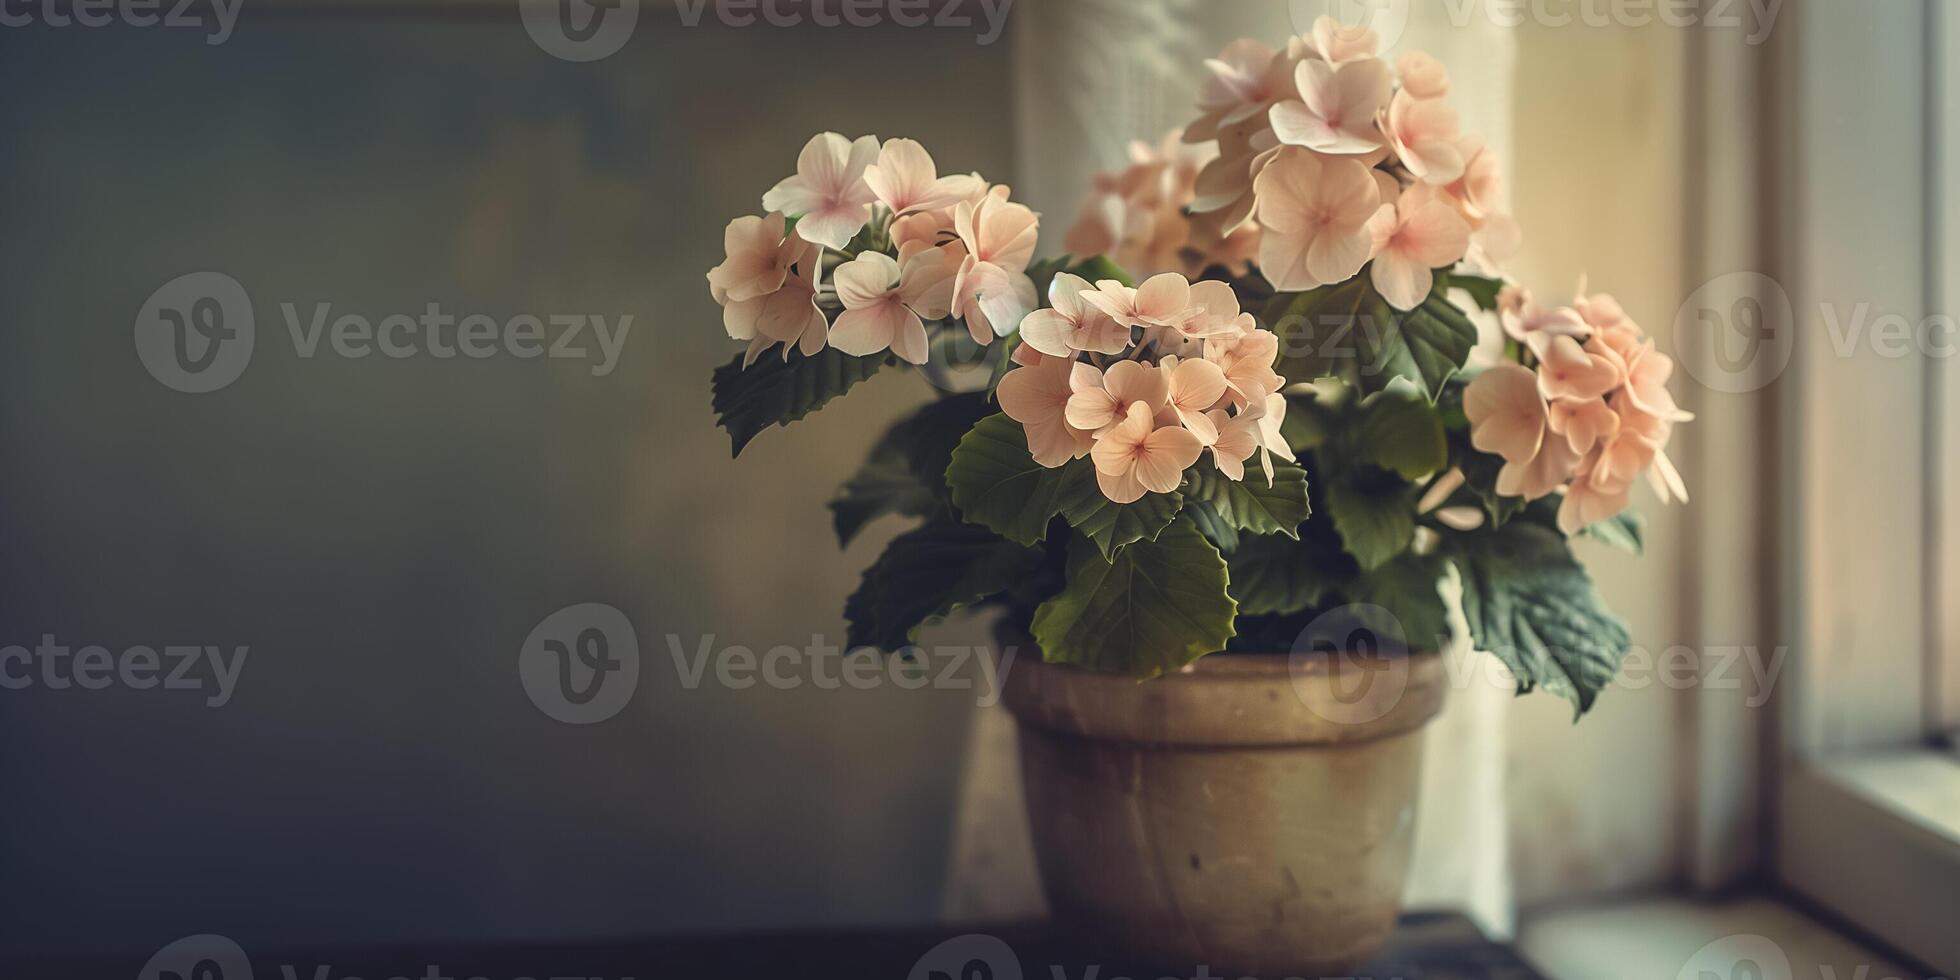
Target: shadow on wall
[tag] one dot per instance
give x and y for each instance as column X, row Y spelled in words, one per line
column 381, row 533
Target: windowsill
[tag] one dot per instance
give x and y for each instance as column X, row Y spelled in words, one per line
column 1664, row 938
column 1920, row 787
column 1875, row 838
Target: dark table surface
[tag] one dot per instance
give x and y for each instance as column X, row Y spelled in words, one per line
column 1427, row 946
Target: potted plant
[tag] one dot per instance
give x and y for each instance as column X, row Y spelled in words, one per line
column 1229, row 450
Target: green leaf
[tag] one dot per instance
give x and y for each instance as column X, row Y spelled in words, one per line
column 1375, row 524
column 1625, row 530
column 929, row 572
column 773, row 391
column 1398, row 429
column 1531, row 604
column 1480, row 479
column 1217, row 530
column 1272, row 575
column 1332, row 331
column 1435, row 338
column 906, row 471
column 1406, row 590
column 885, row 484
column 1043, row 272
column 1483, row 290
column 1112, row 525
column 1348, row 330
column 996, row 483
column 1249, row 504
column 1160, row 605
column 1096, row 268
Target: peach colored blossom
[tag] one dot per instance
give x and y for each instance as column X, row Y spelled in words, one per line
column 1194, row 387
column 1422, row 76
column 1507, row 416
column 1100, row 399
column 1217, row 312
column 1647, row 371
column 1638, row 446
column 1071, row 325
column 1223, row 189
column 1601, row 311
column 1479, row 193
column 886, row 309
column 759, row 252
column 1588, row 501
column 992, row 291
column 1246, row 78
column 1247, row 361
column 1584, row 424
column 1494, row 244
column 1533, row 326
column 1238, row 439
column 1427, row 234
column 1036, row 395
column 1136, row 215
column 828, row 195
column 905, row 180
column 1163, row 300
column 1425, row 135
column 1319, row 219
column 1099, row 224
column 1336, row 42
column 1272, row 442
column 1137, row 456
column 1335, row 109
column 789, row 316
column 927, row 229
column 1569, row 369
column 1633, row 445
column 1544, row 472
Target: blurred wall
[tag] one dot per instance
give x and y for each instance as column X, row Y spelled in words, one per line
column 383, row 534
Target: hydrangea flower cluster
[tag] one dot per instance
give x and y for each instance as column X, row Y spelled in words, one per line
column 1313, row 161
column 902, row 244
column 1143, row 380
column 1587, row 412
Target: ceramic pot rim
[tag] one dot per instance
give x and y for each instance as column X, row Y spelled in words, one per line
column 1235, row 700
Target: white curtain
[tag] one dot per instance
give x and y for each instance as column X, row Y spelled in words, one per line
column 1091, row 75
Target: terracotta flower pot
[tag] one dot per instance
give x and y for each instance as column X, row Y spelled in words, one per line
column 1254, row 813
